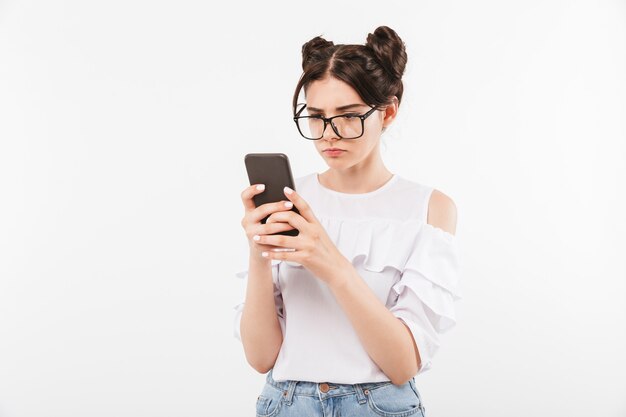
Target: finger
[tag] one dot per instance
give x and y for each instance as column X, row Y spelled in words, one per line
column 290, row 256
column 271, row 228
column 267, row 209
column 248, row 193
column 272, row 248
column 282, row 241
column 302, row 206
column 272, row 219
column 293, row 218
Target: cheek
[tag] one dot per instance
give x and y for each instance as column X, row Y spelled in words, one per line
column 369, row 142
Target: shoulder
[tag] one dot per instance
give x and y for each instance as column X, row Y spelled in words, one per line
column 442, row 212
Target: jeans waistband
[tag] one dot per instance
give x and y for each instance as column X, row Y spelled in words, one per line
column 311, row 388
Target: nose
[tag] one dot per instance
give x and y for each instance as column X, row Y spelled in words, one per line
column 329, row 133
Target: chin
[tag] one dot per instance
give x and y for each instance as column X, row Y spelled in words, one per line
column 336, row 163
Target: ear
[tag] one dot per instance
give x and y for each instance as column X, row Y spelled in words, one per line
column 390, row 112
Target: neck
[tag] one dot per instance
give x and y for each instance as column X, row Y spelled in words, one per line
column 360, row 178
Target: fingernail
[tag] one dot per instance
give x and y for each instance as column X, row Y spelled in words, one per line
column 260, row 187
column 264, row 254
column 288, row 190
column 256, row 237
column 288, row 204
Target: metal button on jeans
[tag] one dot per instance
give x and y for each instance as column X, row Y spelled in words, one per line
column 324, row 387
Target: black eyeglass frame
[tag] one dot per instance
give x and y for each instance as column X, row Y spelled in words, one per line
column 328, row 120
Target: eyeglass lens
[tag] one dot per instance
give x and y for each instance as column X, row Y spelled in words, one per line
column 348, row 126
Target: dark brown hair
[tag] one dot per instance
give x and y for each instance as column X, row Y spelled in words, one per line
column 374, row 70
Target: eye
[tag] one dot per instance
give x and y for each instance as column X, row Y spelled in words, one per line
column 350, row 116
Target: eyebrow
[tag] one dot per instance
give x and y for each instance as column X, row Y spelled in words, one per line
column 347, row 106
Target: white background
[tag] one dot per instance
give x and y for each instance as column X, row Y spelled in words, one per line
column 123, row 126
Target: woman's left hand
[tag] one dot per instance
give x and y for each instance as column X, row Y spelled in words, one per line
column 313, row 248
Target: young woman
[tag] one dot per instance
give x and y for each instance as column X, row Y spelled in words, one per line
column 343, row 316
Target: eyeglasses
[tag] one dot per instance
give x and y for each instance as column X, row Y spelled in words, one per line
column 346, row 126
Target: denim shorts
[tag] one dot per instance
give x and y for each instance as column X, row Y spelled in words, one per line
column 311, row 399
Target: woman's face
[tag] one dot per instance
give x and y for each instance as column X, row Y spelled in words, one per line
column 329, row 97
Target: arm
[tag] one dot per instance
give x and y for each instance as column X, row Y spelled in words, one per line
column 386, row 338
column 261, row 333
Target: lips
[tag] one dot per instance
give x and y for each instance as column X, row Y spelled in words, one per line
column 333, row 149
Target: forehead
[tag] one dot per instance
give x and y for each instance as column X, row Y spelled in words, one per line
column 331, row 94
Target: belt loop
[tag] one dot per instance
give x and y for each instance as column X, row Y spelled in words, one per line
column 270, row 380
column 288, row 393
column 414, row 388
column 360, row 395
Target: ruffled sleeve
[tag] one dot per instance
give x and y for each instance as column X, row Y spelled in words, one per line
column 428, row 288
column 278, row 299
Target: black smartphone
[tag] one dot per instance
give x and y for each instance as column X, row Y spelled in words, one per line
column 273, row 170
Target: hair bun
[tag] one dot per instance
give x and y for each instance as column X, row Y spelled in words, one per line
column 314, row 50
column 389, row 49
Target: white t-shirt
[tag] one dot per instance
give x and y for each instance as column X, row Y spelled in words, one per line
column 411, row 266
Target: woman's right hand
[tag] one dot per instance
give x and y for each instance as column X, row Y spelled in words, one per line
column 253, row 215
